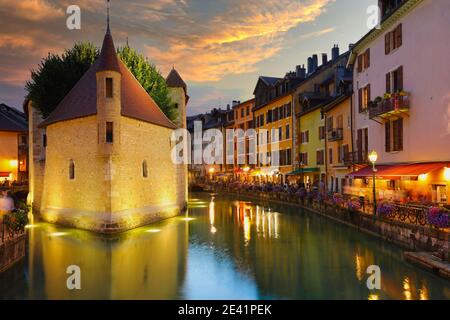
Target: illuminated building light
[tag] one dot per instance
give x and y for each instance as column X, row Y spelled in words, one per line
column 423, row 177
column 153, row 231
column 447, row 174
column 188, row 219
column 31, row 226
column 14, row 163
column 213, row 230
column 246, row 169
column 211, row 170
column 58, row 234
column 374, row 297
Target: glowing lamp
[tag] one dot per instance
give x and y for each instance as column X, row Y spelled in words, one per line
column 423, row 177
column 373, row 156
column 211, row 170
column 13, row 163
column 246, row 169
column 447, row 174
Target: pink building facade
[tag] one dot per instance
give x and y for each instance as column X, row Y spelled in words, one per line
column 401, row 101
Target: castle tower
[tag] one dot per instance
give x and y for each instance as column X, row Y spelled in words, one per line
column 178, row 94
column 108, row 164
column 109, row 97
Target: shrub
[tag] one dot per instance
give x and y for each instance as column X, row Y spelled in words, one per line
column 439, row 217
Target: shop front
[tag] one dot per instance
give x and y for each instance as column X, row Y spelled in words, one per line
column 406, row 183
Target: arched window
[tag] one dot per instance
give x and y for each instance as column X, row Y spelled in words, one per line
column 144, row 169
column 71, row 170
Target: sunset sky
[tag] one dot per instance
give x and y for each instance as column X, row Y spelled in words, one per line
column 220, row 47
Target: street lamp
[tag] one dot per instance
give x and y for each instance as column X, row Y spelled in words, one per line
column 373, row 157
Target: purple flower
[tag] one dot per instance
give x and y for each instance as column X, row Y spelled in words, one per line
column 438, row 217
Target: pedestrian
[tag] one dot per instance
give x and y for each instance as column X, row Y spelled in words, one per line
column 6, row 203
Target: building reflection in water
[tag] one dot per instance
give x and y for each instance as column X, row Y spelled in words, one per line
column 147, row 263
column 222, row 249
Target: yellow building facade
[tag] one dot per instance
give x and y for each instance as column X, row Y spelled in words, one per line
column 106, row 165
column 338, row 142
column 311, row 147
column 276, row 118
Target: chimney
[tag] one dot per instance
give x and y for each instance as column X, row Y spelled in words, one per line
column 300, row 72
column 324, row 58
column 228, row 107
column 315, row 59
column 335, row 52
column 235, row 103
column 350, row 46
column 310, row 65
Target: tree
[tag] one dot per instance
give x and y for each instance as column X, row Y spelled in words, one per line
column 57, row 75
column 150, row 79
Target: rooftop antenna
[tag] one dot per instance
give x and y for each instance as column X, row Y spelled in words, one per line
column 107, row 16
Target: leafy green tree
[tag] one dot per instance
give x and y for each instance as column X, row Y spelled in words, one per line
column 57, row 75
column 150, row 79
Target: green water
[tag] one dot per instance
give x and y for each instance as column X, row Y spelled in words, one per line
column 224, row 249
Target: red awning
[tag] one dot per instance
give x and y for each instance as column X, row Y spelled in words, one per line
column 4, row 174
column 400, row 170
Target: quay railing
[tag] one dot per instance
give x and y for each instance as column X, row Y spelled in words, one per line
column 413, row 214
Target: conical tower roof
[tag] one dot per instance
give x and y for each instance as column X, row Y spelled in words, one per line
column 174, row 80
column 81, row 101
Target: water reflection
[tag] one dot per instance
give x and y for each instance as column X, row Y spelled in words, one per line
column 221, row 249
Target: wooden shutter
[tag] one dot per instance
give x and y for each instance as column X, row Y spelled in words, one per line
column 359, row 143
column 360, row 61
column 360, row 93
column 399, row 34
column 400, row 134
column 388, row 43
column 387, row 127
column 307, row 136
column 368, row 58
column 400, row 78
column 318, row 158
column 388, row 82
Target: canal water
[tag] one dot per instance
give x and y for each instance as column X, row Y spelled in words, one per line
column 222, row 249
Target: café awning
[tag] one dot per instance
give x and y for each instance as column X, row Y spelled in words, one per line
column 4, row 174
column 400, row 170
column 299, row 172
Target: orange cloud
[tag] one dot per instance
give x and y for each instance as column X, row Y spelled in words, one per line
column 34, row 10
column 233, row 42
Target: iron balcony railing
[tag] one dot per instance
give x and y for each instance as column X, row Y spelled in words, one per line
column 392, row 106
column 356, row 157
column 336, row 134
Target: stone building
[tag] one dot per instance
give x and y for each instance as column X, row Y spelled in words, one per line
column 102, row 159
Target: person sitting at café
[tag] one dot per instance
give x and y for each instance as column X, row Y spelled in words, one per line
column 6, row 203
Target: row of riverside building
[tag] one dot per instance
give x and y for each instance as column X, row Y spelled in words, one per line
column 390, row 92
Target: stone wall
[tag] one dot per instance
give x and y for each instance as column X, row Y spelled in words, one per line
column 36, row 158
column 109, row 192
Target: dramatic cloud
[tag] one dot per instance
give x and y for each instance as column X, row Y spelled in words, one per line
column 206, row 40
column 35, row 10
column 233, row 42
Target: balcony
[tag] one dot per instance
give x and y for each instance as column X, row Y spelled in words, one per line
column 357, row 157
column 395, row 105
column 336, row 134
